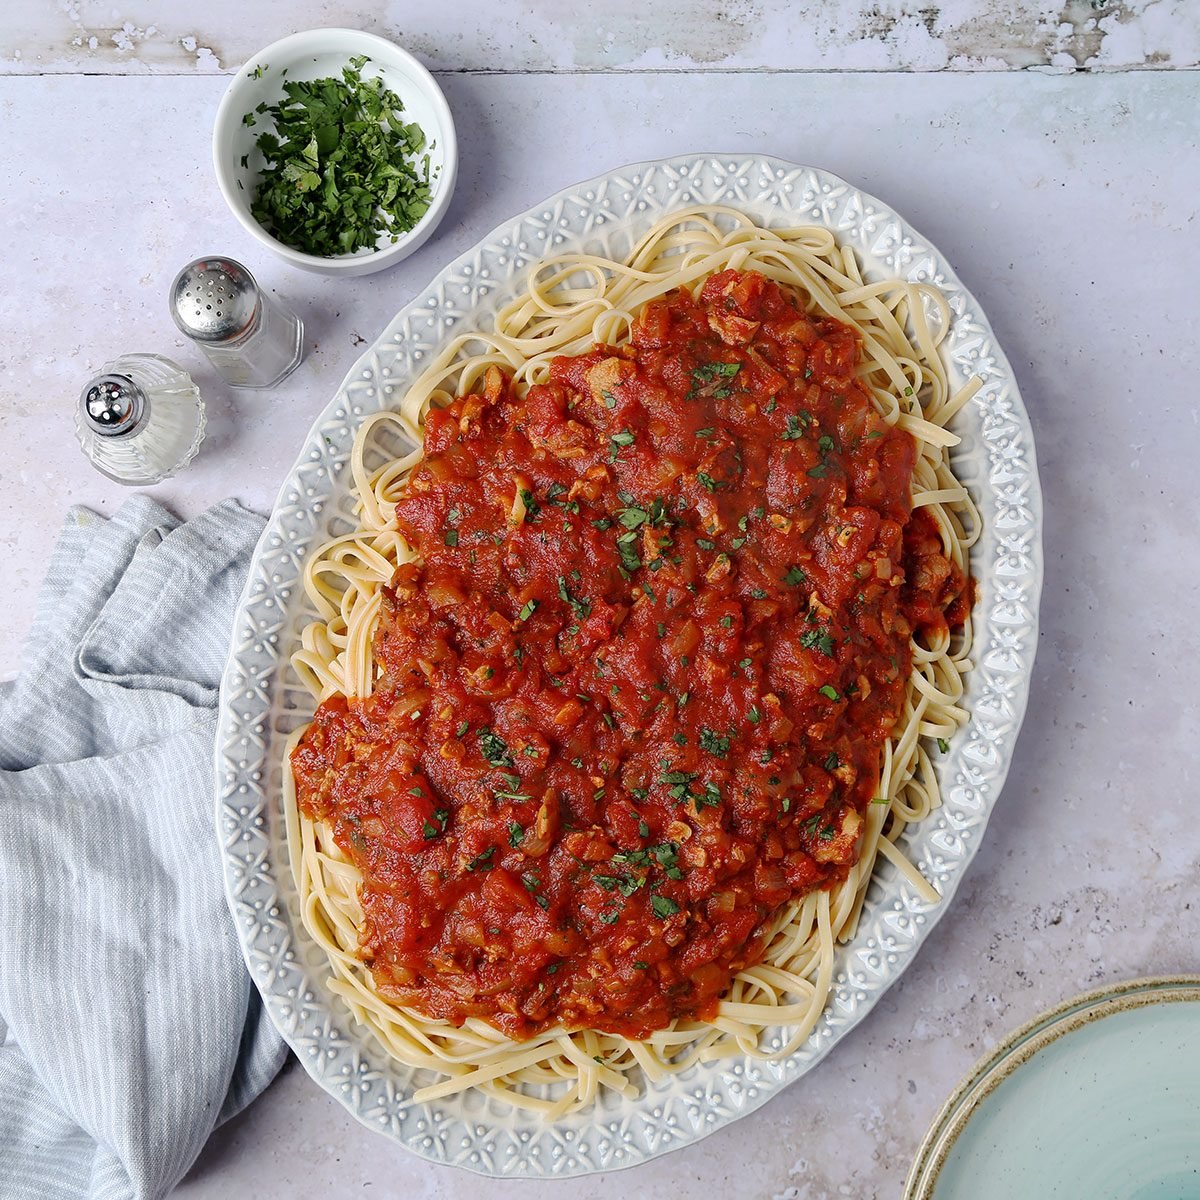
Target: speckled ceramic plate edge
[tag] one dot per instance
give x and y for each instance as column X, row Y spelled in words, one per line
column 258, row 702
column 1000, row 1063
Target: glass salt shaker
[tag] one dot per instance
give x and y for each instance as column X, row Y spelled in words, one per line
column 252, row 340
column 140, row 419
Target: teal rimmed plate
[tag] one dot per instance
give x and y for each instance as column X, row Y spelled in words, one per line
column 1097, row 1099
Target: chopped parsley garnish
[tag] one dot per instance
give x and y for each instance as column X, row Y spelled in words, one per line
column 832, row 762
column 817, row 639
column 714, row 743
column 527, row 610
column 825, row 445
column 829, row 692
column 794, row 577
column 627, row 548
column 634, row 515
column 451, row 537
column 666, row 854
column 342, row 168
column 754, row 716
column 580, row 605
column 532, row 507
column 511, row 796
column 494, row 748
column 617, row 441
column 678, row 783
column 707, row 481
column 943, row 745
column 663, row 906
column 482, row 862
column 716, row 370
column 709, row 373
column 462, row 729
column 515, row 834
column 796, row 427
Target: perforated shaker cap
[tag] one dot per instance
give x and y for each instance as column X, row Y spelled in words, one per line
column 113, row 404
column 214, row 299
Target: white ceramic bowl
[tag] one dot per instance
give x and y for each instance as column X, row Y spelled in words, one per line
column 318, row 54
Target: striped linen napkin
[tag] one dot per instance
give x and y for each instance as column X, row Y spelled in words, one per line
column 128, row 1025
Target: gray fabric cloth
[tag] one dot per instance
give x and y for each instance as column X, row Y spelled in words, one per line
column 128, row 1023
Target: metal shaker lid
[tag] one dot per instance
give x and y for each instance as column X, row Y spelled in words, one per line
column 214, row 299
column 113, row 404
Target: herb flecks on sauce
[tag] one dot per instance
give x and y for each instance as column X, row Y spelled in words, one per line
column 655, row 718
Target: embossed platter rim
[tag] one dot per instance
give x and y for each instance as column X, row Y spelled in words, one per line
column 261, row 703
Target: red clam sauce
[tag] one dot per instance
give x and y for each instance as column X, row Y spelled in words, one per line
column 635, row 690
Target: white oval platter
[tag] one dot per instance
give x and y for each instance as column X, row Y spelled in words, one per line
column 261, row 701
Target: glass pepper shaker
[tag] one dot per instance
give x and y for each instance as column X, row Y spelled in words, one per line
column 252, row 340
column 140, row 419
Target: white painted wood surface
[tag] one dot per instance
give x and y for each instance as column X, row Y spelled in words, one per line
column 153, row 37
column 1068, row 205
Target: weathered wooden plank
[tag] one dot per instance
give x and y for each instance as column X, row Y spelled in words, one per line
column 157, row 37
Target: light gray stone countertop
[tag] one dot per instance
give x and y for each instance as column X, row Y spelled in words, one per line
column 1067, row 203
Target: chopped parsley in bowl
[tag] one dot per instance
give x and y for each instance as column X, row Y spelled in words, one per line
column 336, row 149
